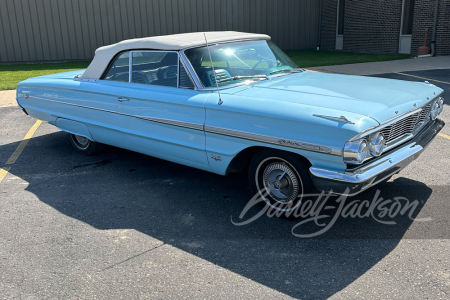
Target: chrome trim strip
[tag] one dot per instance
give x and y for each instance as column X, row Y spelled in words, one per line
column 189, row 125
column 77, row 78
column 195, row 126
column 332, row 150
column 130, row 66
column 72, row 104
column 339, row 119
column 178, row 70
column 275, row 140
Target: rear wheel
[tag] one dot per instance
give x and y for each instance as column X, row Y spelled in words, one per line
column 85, row 146
column 281, row 179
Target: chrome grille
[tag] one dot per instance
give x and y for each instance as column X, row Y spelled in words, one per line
column 405, row 125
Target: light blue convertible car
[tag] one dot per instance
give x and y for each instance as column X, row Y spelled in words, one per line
column 230, row 101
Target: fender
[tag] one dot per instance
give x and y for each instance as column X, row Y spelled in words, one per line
column 74, row 127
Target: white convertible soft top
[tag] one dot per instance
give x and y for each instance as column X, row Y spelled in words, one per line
column 103, row 55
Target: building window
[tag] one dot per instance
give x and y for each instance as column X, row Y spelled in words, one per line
column 341, row 7
column 408, row 13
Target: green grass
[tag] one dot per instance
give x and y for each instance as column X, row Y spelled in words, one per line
column 11, row 75
column 312, row 58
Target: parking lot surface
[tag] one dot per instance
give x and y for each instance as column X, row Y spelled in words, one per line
column 121, row 225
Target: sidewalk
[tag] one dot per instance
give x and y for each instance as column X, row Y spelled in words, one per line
column 8, row 98
column 392, row 66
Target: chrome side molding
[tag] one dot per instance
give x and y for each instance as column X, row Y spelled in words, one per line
column 333, row 150
column 326, row 149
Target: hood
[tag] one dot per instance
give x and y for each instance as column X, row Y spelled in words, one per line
column 378, row 98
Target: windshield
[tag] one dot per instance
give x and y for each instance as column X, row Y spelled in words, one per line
column 238, row 62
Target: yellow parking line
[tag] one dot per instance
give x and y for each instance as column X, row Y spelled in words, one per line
column 4, row 171
column 312, row 71
column 423, row 78
column 444, row 135
column 23, row 143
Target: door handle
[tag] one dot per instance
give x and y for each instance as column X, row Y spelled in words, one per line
column 120, row 99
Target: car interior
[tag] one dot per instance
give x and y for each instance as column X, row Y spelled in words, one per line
column 149, row 67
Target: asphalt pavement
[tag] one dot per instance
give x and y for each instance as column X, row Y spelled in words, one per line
column 121, row 225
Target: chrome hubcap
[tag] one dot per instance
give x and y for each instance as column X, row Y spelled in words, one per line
column 281, row 182
column 81, row 140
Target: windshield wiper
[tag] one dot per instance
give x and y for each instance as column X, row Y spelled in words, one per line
column 242, row 77
column 285, row 70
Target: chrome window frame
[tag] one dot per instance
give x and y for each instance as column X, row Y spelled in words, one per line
column 166, row 51
column 182, row 63
column 130, row 66
column 198, row 82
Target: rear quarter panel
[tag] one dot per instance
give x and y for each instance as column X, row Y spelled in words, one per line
column 93, row 104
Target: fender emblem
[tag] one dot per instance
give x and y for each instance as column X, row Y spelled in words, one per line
column 216, row 158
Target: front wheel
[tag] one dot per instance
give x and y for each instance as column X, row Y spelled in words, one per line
column 281, row 179
column 85, row 146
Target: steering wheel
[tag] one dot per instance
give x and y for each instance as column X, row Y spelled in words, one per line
column 262, row 61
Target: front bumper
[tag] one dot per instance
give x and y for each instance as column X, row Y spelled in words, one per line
column 385, row 166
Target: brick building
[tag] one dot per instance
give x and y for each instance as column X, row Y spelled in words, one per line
column 384, row 26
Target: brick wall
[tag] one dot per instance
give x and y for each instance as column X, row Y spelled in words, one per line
column 372, row 26
column 329, row 21
column 423, row 18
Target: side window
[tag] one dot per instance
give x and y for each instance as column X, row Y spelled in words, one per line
column 185, row 80
column 155, row 68
column 119, row 70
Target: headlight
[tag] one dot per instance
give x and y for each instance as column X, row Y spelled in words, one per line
column 356, row 152
column 377, row 143
column 441, row 105
column 434, row 112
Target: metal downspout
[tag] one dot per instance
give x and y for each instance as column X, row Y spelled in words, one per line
column 320, row 25
column 433, row 37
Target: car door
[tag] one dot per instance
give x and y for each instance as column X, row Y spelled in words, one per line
column 99, row 101
column 161, row 114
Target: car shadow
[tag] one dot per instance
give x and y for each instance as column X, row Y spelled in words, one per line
column 178, row 205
